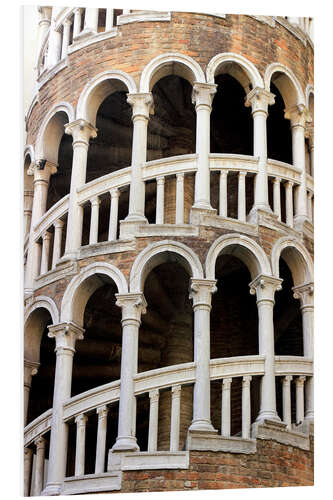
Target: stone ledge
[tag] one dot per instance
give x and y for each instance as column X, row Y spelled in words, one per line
column 63, row 269
column 277, row 431
column 157, row 460
column 227, row 223
column 143, row 16
column 106, row 247
column 168, row 230
column 92, row 483
column 211, row 442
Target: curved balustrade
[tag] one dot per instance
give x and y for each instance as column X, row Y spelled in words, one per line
column 173, row 378
column 159, row 170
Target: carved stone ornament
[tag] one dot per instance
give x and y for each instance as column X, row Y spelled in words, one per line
column 265, row 283
column 142, row 104
column 203, row 93
column 259, row 99
column 81, row 130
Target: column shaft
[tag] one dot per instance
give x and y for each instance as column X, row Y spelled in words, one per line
column 101, row 439
column 246, row 407
column 91, row 20
column 175, row 418
column 45, row 253
column 286, row 401
column 223, row 194
column 109, row 19
column 241, row 197
column 300, row 399
column 58, row 227
column 160, row 200
column 113, row 224
column 77, row 22
column 289, row 204
column 225, row 414
column 93, row 236
column 180, row 199
column 39, row 471
column 80, row 421
column 27, row 470
column 65, row 37
column 277, row 197
column 153, row 420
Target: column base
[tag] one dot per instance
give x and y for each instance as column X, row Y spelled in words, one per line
column 125, row 443
column 267, row 415
column 257, row 211
column 130, row 226
column 299, row 221
column 202, row 425
column 52, row 489
column 198, row 212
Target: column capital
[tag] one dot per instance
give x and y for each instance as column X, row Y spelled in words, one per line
column 95, row 200
column 265, row 287
column 114, row 193
column 81, row 130
column 305, row 293
column 247, row 379
column 67, row 22
column 102, row 412
column 176, row 390
column 287, row 379
column 142, row 104
column 66, row 334
column 300, row 380
column 58, row 224
column 201, row 291
column 81, row 419
column 276, row 180
column 132, row 304
column 298, row 115
column 160, row 180
column 226, row 382
column 180, row 176
column 242, row 173
column 31, row 365
column 154, row 395
column 259, row 99
column 46, row 236
column 42, row 170
column 40, row 443
column 203, row 94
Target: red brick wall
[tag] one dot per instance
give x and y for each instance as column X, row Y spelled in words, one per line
column 192, row 34
column 273, row 465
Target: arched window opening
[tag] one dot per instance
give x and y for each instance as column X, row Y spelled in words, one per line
column 279, row 143
column 234, row 332
column 231, row 121
column 165, row 339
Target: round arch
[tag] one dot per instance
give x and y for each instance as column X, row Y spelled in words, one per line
column 246, row 249
column 29, row 150
column 237, row 66
column 84, row 285
column 98, row 89
column 297, row 258
column 154, row 254
column 51, row 131
column 36, row 316
column 168, row 64
column 308, row 92
column 286, row 82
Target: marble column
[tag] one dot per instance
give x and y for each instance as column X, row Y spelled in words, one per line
column 201, row 291
column 202, row 97
column 160, row 181
column 306, row 297
column 77, row 22
column 30, row 369
column 43, row 26
column 40, row 461
column 265, row 287
column 82, row 131
column 142, row 106
column 54, row 50
column 277, row 197
column 102, row 412
column 27, row 470
column 113, row 222
column 44, row 267
column 65, row 37
column 58, row 227
column 260, row 99
column 299, row 116
column 81, row 421
column 132, row 305
column 65, row 335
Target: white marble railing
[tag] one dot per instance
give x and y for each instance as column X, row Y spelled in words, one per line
column 78, row 409
column 280, row 174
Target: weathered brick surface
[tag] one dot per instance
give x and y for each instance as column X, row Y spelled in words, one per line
column 191, row 34
column 273, row 465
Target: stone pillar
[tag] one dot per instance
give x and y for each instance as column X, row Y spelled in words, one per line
column 300, row 399
column 298, row 116
column 90, row 21
column 133, row 305
column 226, row 409
column 305, row 294
column 58, row 227
column 241, row 197
column 153, row 420
column 202, row 97
column 286, row 401
column 259, row 99
column 77, row 22
column 43, row 26
column 66, row 26
column 82, row 132
column 223, row 194
column 28, row 200
column 39, row 471
column 65, row 335
column 30, row 369
column 180, row 198
column 93, row 235
column 142, row 106
column 27, row 470
column 277, row 197
column 113, row 222
column 160, row 200
column 309, row 200
column 264, row 287
column 44, row 267
column 201, row 294
column 54, row 50
column 80, row 421
column 175, row 418
column 102, row 412
column 289, row 204
column 109, row 19
column 42, row 171
column 311, row 144
column 246, row 407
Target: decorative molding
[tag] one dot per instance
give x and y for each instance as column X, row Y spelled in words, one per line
column 204, row 441
column 92, row 483
column 143, row 16
column 51, row 72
